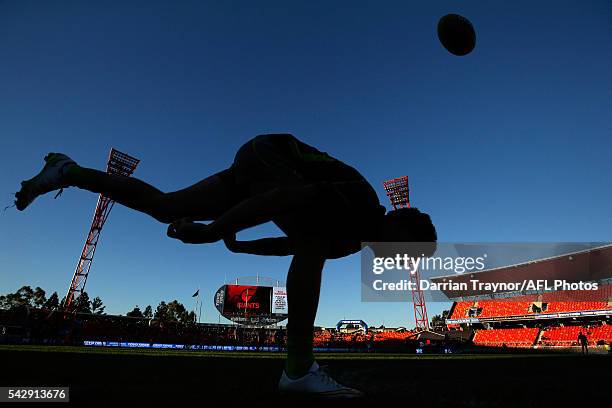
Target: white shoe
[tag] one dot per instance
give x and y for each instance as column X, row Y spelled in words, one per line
column 50, row 178
column 316, row 383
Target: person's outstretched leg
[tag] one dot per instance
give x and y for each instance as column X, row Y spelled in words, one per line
column 204, row 200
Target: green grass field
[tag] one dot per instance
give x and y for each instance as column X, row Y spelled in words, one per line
column 251, row 354
column 113, row 376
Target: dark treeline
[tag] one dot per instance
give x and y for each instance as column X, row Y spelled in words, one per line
column 37, row 298
column 170, row 312
column 26, row 297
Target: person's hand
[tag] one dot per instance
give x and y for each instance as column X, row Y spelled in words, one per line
column 179, row 229
column 191, row 232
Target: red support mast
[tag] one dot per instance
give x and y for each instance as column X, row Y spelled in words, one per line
column 399, row 195
column 119, row 164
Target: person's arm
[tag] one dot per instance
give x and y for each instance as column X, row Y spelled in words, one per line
column 257, row 210
column 262, row 208
column 265, row 246
column 249, row 213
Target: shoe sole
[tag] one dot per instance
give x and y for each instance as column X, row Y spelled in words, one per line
column 24, row 197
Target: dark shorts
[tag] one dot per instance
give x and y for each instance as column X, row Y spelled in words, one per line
column 259, row 165
column 273, row 160
column 267, row 159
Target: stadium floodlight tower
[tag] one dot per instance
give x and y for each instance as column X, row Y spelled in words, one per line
column 118, row 164
column 399, row 195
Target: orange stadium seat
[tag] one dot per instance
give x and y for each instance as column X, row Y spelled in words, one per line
column 559, row 301
column 561, row 336
column 392, row 336
column 566, row 336
column 554, row 307
column 460, row 310
column 520, row 337
column 493, row 308
column 598, row 333
column 571, row 301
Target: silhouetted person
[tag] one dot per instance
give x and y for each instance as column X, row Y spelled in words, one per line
column 584, row 343
column 325, row 207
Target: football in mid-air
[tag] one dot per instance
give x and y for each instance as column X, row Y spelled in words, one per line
column 456, row 34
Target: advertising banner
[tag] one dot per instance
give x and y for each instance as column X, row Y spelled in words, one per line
column 279, row 300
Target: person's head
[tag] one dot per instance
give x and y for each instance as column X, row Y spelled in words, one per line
column 410, row 225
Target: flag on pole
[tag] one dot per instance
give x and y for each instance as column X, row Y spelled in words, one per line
column 196, row 293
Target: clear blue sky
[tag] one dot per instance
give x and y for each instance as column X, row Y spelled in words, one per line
column 510, row 143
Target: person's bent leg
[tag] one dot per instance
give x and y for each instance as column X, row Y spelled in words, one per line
column 303, row 287
column 204, row 200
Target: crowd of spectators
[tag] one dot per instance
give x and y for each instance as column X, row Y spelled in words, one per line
column 36, row 326
column 379, row 338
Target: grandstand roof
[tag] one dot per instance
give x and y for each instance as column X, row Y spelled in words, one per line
column 428, row 335
column 592, row 265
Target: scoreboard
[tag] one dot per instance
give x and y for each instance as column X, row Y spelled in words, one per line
column 252, row 304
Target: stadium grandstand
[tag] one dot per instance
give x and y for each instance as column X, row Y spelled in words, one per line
column 546, row 320
column 552, row 319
